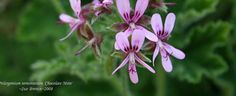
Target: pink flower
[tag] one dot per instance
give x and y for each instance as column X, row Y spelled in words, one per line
column 101, row 7
column 131, row 51
column 74, row 23
column 163, row 33
column 131, row 20
column 107, row 2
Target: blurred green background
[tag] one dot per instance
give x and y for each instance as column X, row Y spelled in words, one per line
column 30, row 50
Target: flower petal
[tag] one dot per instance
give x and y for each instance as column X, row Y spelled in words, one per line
column 76, row 6
column 125, row 61
column 109, row 2
column 156, row 23
column 155, row 53
column 128, row 32
column 137, row 39
column 166, row 63
column 170, row 22
column 144, row 64
column 140, row 8
column 116, row 46
column 122, row 41
column 124, row 9
column 149, row 35
column 133, row 73
column 96, row 2
column 73, row 28
column 67, row 19
column 174, row 52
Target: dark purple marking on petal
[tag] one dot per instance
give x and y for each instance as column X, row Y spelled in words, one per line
column 132, row 69
column 126, row 17
column 136, row 16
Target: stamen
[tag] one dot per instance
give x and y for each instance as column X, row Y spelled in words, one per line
column 132, row 25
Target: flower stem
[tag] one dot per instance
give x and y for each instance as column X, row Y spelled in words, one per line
column 124, row 77
column 161, row 82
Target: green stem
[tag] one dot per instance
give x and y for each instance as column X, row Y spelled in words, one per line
column 161, row 82
column 124, row 77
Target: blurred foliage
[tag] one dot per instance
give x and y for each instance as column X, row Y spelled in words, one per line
column 30, row 50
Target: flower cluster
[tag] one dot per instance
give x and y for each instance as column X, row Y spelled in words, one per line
column 131, row 35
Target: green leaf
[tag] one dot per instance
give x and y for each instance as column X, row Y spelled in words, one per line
column 68, row 63
column 208, row 87
column 93, row 88
column 188, row 15
column 38, row 22
column 200, row 57
column 200, row 6
column 45, row 70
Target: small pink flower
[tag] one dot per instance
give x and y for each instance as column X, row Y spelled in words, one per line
column 101, row 7
column 163, row 33
column 131, row 20
column 107, row 2
column 131, row 51
column 74, row 23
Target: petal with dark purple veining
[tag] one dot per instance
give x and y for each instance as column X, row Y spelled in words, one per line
column 137, row 39
column 140, row 8
column 166, row 62
column 123, row 7
column 169, row 23
column 122, row 41
column 133, row 73
column 156, row 23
